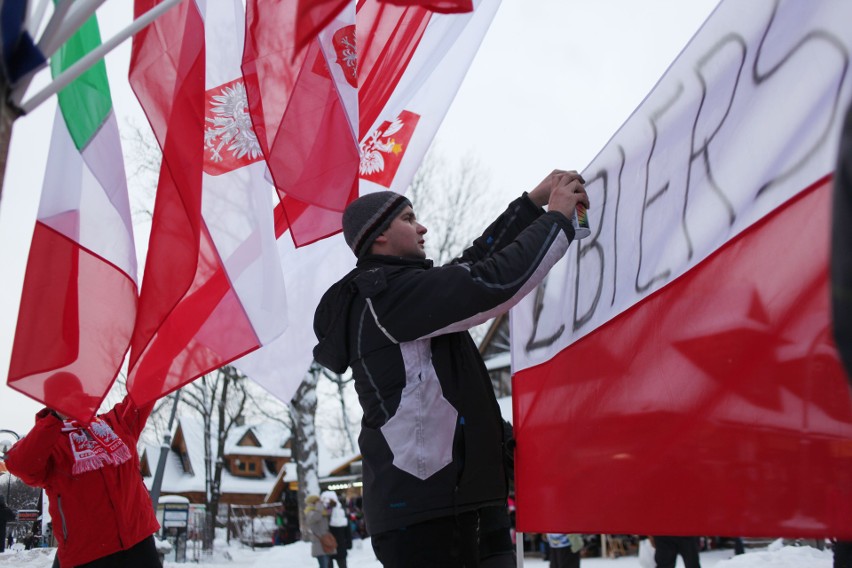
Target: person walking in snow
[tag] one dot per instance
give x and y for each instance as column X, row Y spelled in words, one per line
column 6, row 515
column 432, row 434
column 668, row 547
column 338, row 525
column 565, row 550
column 316, row 521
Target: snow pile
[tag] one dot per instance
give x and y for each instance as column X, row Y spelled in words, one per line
column 35, row 558
column 163, row 546
column 779, row 556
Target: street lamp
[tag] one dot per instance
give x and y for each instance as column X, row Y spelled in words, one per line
column 4, row 447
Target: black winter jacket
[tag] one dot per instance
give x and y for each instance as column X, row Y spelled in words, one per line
column 431, row 434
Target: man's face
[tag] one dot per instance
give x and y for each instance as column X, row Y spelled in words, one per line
column 403, row 237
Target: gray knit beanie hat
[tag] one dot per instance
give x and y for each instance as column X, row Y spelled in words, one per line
column 368, row 216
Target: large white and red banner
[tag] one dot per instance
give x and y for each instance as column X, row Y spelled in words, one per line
column 410, row 64
column 676, row 372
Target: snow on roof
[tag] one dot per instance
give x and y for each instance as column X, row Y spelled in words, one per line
column 173, row 499
column 272, row 437
column 290, row 475
column 175, row 480
column 328, row 465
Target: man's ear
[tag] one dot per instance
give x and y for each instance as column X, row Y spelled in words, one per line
column 378, row 244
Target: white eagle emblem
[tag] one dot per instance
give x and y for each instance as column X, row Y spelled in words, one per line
column 230, row 126
column 376, row 144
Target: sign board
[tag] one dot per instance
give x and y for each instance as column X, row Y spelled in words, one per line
column 175, row 515
column 28, row 515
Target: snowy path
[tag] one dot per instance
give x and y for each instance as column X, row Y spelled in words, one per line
column 298, row 556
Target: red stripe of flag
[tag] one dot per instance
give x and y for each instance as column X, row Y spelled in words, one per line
column 312, row 17
column 442, row 6
column 69, row 295
column 387, row 37
column 663, row 429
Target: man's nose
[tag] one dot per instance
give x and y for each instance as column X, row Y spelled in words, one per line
column 421, row 229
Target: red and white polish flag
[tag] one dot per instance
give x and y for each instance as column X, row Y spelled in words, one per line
column 676, row 372
column 394, row 143
column 302, row 124
column 410, row 65
column 213, row 288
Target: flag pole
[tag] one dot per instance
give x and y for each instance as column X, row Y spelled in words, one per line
column 157, row 484
column 95, row 55
column 57, row 32
column 35, row 16
column 519, row 549
column 77, row 14
column 54, row 22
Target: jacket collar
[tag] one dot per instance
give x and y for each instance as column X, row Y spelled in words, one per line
column 373, row 260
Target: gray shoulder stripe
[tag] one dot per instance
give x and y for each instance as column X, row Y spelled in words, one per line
column 376, row 318
column 556, row 251
column 551, row 235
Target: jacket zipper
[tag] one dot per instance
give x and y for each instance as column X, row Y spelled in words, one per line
column 62, row 518
column 118, row 526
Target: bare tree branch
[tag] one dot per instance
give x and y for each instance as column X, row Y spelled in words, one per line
column 451, row 200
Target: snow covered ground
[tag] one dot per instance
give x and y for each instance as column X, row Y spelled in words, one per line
column 298, row 555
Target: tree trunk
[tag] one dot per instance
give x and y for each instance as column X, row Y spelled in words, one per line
column 340, row 383
column 216, row 484
column 303, row 408
column 341, row 392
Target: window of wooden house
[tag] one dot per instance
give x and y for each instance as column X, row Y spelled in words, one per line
column 244, row 467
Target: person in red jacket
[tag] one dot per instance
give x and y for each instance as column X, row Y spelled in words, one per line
column 101, row 511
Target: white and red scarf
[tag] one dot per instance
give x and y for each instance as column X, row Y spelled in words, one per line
column 94, row 446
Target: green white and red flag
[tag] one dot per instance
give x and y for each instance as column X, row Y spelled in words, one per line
column 676, row 373
column 79, row 298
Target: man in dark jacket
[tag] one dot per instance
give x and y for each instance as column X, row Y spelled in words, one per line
column 841, row 257
column 841, row 278
column 6, row 515
column 432, row 431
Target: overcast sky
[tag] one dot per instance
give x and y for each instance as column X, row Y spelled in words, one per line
column 552, row 82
